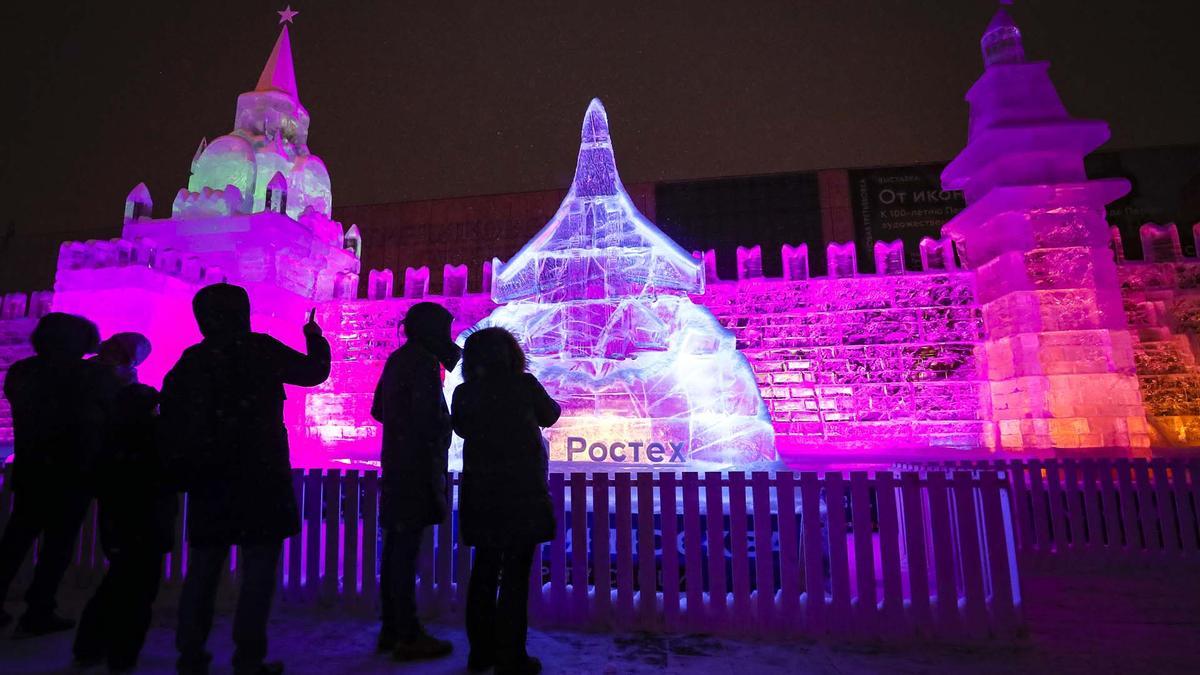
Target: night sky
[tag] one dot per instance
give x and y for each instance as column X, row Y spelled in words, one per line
column 427, row 99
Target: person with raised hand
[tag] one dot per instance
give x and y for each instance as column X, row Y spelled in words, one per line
column 222, row 416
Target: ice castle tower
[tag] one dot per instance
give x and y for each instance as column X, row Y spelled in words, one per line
column 256, row 212
column 1059, row 352
column 600, row 301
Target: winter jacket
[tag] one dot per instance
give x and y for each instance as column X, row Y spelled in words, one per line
column 504, row 500
column 59, row 404
column 138, row 505
column 222, row 409
column 222, row 415
column 416, row 439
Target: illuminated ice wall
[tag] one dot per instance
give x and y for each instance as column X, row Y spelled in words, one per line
column 599, row 299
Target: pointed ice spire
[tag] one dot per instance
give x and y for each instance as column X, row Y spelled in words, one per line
column 352, row 241
column 276, row 196
column 199, row 151
column 596, row 169
column 1001, row 43
column 595, row 124
column 139, row 193
column 277, row 182
column 138, row 203
column 279, row 74
column 612, row 249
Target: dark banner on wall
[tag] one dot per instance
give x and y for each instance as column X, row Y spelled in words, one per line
column 1165, row 189
column 902, row 202
column 725, row 213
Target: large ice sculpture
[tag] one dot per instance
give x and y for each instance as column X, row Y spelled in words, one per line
column 255, row 213
column 599, row 299
column 270, row 136
column 1059, row 350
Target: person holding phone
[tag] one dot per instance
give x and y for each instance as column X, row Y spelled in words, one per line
column 222, row 415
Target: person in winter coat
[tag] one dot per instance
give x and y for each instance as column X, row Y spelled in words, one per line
column 137, row 527
column 222, row 413
column 416, row 438
column 124, row 352
column 59, row 402
column 504, row 502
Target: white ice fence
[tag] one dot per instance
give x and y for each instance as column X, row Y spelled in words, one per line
column 889, row 556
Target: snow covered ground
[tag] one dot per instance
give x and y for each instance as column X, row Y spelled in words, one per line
column 1141, row 619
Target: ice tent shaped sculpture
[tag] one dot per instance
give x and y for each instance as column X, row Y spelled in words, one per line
column 599, row 299
column 598, row 245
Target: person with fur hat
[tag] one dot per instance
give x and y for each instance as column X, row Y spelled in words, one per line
column 124, row 352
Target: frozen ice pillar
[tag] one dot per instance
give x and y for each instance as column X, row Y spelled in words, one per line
column 600, row 301
column 1059, row 352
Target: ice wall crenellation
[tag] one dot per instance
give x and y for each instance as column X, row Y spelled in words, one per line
column 95, row 254
column 1161, row 297
column 143, row 253
column 207, row 202
column 864, row 361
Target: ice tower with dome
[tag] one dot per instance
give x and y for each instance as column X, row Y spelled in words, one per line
column 256, row 212
column 270, row 137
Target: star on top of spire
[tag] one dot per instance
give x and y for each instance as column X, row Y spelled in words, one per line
column 287, row 14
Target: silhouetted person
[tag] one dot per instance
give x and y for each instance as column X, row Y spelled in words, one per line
column 58, row 407
column 137, row 527
column 504, row 506
column 123, row 353
column 222, row 411
column 416, row 438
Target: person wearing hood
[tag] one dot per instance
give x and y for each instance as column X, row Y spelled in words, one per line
column 415, row 490
column 124, row 352
column 59, row 402
column 221, row 411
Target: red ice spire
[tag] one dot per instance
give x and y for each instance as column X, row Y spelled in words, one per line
column 279, row 74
